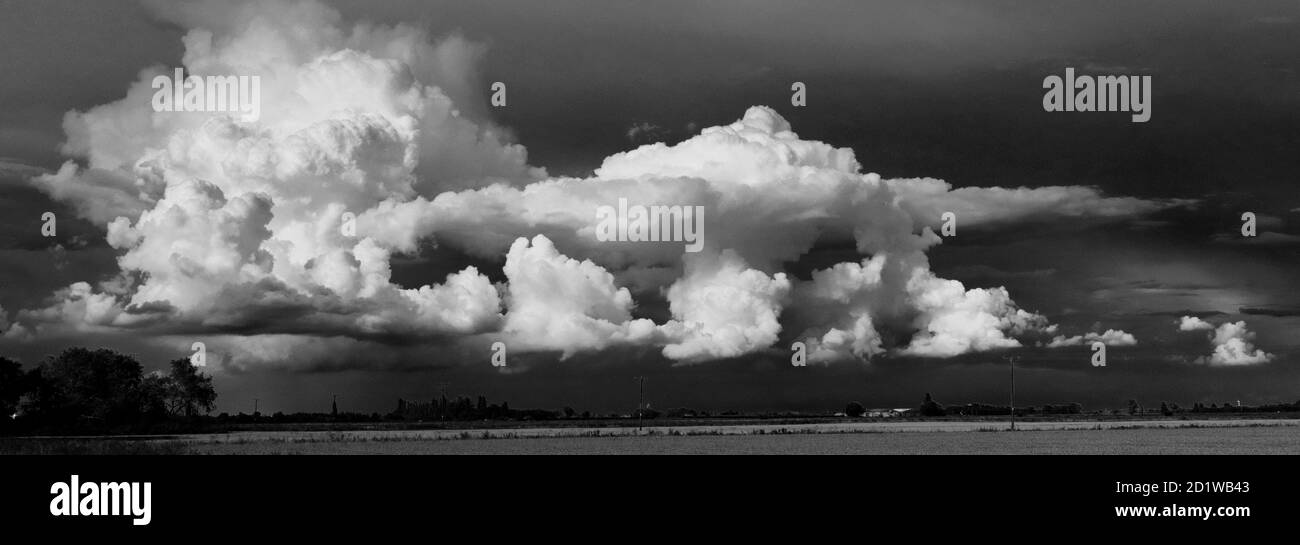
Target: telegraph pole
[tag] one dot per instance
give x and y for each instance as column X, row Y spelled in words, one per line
column 1012, row 360
column 640, row 402
column 255, row 400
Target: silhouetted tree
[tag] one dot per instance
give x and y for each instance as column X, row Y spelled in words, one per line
column 12, row 384
column 1164, row 409
column 1133, row 407
column 100, row 386
column 854, row 409
column 930, row 407
column 192, row 391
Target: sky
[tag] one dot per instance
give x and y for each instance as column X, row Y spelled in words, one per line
column 474, row 222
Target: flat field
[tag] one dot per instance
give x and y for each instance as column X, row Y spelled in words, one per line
column 1245, row 436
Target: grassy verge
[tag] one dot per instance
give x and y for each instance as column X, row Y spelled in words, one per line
column 133, row 446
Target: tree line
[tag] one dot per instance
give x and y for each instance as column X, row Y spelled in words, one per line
column 930, row 407
column 100, row 391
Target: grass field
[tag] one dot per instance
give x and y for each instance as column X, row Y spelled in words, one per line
column 1245, row 436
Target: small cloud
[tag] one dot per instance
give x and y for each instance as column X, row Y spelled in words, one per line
column 1192, row 323
column 645, row 131
column 1112, row 337
column 13, row 169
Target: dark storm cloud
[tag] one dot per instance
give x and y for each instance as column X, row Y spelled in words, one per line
column 65, row 54
column 1271, row 311
column 947, row 89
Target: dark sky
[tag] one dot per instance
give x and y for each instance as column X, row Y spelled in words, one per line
column 950, row 90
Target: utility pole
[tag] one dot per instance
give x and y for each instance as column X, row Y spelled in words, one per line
column 640, row 402
column 1012, row 360
column 255, row 400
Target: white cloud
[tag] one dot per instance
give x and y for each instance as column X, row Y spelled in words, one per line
column 722, row 308
column 927, row 199
column 1233, row 346
column 1231, row 340
column 1111, row 337
column 558, row 303
column 1192, row 323
column 225, row 225
column 954, row 320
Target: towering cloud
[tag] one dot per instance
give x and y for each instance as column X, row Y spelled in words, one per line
column 559, row 303
column 722, row 308
column 274, row 237
column 1232, row 346
column 1231, row 340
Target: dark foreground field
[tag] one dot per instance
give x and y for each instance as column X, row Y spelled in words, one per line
column 920, row 437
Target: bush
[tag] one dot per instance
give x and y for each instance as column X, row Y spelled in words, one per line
column 854, row 409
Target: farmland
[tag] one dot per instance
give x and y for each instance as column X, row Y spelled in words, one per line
column 1242, row 436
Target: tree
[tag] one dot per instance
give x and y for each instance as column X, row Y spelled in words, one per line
column 854, row 409
column 190, row 391
column 1164, row 409
column 1133, row 407
column 569, row 412
column 100, row 386
column 156, row 391
column 12, row 384
column 930, row 407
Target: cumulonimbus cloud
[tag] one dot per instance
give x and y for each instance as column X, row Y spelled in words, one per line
column 236, row 229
